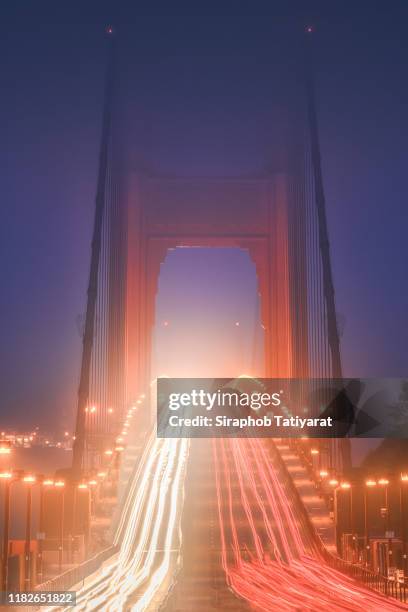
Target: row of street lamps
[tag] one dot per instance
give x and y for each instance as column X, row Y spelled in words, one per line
column 8, row 477
column 369, row 484
column 30, row 480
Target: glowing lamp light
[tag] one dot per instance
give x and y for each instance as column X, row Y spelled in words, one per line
column 333, row 482
column 345, row 485
column 93, row 483
column 371, row 483
column 323, row 473
column 29, row 479
column 383, row 481
column 82, row 486
column 236, row 323
column 101, row 474
column 6, row 475
column 314, row 451
column 59, row 484
column 109, row 452
column 110, row 410
column 404, row 477
column 119, row 449
column 48, row 482
column 142, row 397
column 5, row 450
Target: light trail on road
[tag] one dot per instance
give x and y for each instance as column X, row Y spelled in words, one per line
column 148, row 534
column 268, row 559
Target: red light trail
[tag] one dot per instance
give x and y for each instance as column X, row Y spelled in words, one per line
column 268, row 558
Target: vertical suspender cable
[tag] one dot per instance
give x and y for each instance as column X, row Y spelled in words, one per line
column 333, row 334
column 328, row 287
column 88, row 337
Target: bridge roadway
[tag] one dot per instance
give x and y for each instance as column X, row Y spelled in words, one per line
column 201, row 583
column 245, row 544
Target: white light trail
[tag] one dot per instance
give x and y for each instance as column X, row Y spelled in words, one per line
column 148, row 534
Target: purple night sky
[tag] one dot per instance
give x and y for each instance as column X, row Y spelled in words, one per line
column 203, row 96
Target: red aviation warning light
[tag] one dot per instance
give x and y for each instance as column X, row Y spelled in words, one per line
column 309, row 29
column 110, row 30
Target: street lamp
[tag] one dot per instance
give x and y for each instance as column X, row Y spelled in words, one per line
column 346, row 486
column 29, row 480
column 403, row 485
column 46, row 482
column 370, row 484
column 384, row 482
column 7, row 478
column 83, row 487
column 60, row 485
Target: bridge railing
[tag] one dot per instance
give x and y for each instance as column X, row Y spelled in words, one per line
column 370, row 579
column 77, row 574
